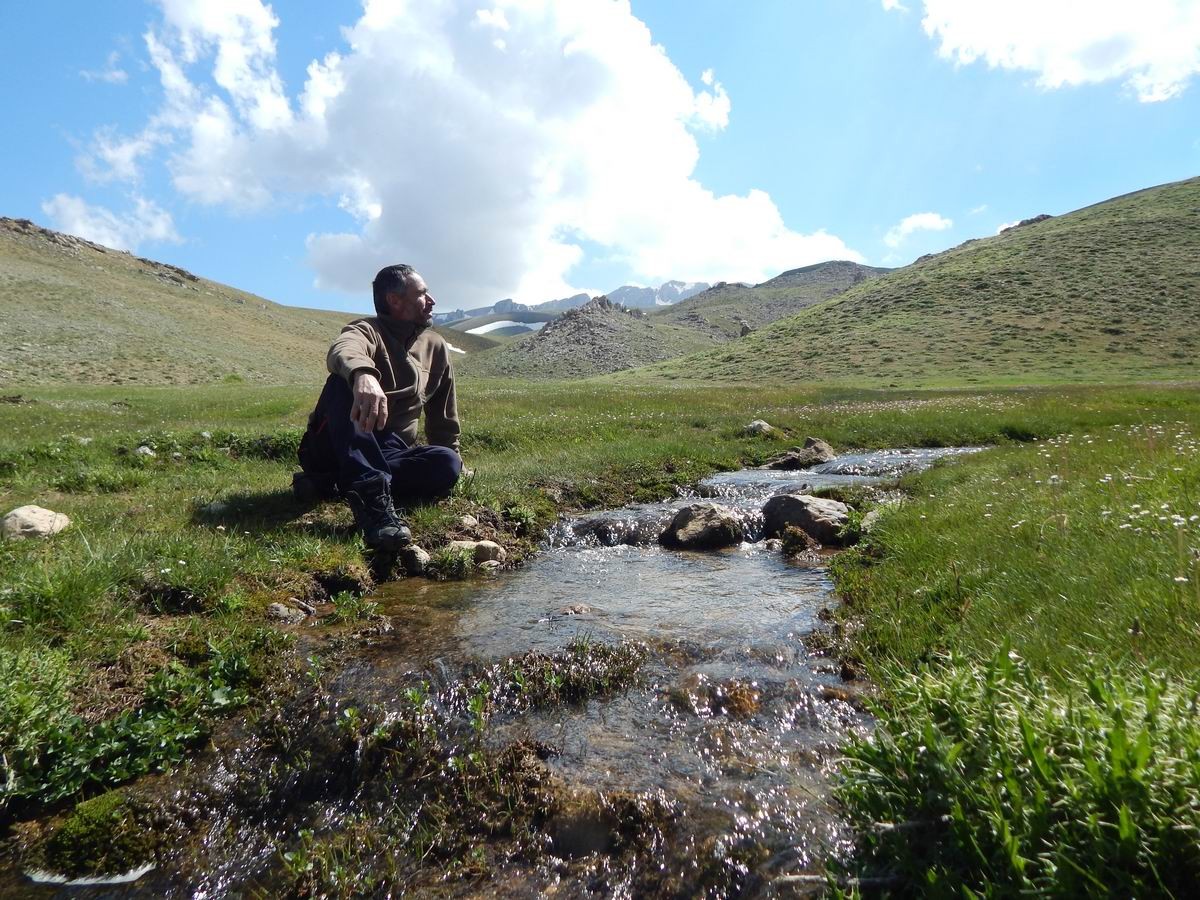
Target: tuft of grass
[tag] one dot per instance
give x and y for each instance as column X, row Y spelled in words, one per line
column 451, row 563
column 984, row 780
column 351, row 607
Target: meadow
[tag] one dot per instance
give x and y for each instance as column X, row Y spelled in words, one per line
column 1070, row 545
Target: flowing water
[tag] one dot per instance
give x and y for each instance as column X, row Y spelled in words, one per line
column 730, row 731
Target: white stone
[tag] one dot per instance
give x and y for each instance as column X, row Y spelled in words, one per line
column 145, row 451
column 758, row 426
column 33, row 521
column 469, row 522
column 282, row 613
column 483, row 551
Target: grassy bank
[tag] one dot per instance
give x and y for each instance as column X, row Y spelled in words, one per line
column 127, row 634
column 1032, row 617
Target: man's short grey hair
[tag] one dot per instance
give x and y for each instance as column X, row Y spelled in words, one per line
column 390, row 280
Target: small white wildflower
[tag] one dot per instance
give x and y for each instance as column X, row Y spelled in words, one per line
column 1181, row 579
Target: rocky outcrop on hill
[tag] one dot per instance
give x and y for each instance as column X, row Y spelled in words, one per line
column 45, row 238
column 1042, row 217
column 599, row 337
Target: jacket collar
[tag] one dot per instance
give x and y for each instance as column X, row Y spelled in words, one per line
column 400, row 330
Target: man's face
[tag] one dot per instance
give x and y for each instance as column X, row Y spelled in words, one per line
column 415, row 305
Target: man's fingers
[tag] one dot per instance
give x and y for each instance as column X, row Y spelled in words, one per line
column 369, row 411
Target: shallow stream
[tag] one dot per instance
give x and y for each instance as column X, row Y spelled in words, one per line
column 731, row 728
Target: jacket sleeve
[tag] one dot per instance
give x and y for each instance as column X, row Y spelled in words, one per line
column 441, row 412
column 353, row 351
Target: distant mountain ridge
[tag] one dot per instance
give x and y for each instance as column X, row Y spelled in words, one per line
column 630, row 296
column 666, row 294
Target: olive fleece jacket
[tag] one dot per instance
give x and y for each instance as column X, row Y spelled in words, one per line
column 412, row 364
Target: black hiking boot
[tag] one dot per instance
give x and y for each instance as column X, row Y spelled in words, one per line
column 371, row 501
column 310, row 488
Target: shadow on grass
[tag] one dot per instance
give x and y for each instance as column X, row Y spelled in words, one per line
column 263, row 511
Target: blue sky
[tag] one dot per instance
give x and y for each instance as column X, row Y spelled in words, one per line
column 530, row 149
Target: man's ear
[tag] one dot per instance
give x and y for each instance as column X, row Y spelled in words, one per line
column 392, row 300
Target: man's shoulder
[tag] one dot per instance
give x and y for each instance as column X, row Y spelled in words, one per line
column 364, row 324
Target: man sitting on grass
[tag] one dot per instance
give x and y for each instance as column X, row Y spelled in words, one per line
column 362, row 436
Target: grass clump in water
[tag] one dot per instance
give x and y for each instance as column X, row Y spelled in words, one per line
column 101, row 836
column 983, row 779
column 349, row 606
column 451, row 563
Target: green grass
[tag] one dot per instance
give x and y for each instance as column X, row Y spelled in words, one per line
column 1111, row 291
column 1073, row 772
column 982, row 782
column 1079, row 547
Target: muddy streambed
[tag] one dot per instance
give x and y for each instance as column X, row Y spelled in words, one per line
column 612, row 719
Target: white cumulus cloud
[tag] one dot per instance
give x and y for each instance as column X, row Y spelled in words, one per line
column 487, row 144
column 1151, row 45
column 147, row 221
column 926, row 221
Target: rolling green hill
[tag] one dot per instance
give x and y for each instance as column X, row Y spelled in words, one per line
column 1107, row 293
column 74, row 312
column 725, row 308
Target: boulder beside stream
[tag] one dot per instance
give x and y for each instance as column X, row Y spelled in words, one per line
column 814, row 452
column 703, row 526
column 819, row 517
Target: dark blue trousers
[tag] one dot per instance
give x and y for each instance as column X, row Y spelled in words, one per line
column 334, row 447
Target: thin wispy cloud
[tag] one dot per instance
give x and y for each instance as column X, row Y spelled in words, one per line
column 926, row 221
column 112, row 73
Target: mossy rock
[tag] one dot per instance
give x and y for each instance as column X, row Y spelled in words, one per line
column 101, row 836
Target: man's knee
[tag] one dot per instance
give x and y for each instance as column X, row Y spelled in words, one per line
column 427, row 473
column 446, row 466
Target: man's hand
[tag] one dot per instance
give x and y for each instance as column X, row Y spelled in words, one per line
column 370, row 410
